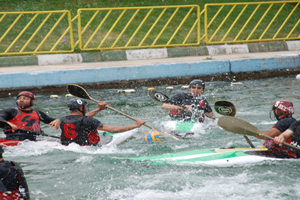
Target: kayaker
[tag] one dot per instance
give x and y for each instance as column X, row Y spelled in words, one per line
column 13, row 184
column 190, row 105
column 292, row 134
column 283, row 111
column 25, row 118
column 80, row 127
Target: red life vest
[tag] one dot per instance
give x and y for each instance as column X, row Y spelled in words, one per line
column 28, row 121
column 269, row 143
column 10, row 195
column 94, row 137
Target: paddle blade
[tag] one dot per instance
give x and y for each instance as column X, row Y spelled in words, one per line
column 78, row 91
column 158, row 96
column 226, row 108
column 238, row 126
column 4, row 125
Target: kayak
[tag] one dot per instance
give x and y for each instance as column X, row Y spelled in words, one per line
column 183, row 128
column 215, row 157
column 106, row 139
column 110, row 139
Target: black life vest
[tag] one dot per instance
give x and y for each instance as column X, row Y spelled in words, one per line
column 23, row 187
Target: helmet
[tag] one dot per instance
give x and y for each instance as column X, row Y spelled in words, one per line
column 284, row 107
column 197, row 82
column 27, row 94
column 76, row 103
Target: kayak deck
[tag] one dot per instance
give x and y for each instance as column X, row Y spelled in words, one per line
column 218, row 157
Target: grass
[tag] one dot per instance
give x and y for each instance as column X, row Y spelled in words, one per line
column 123, row 38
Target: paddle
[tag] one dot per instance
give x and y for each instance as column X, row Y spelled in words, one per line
column 80, row 92
column 239, row 126
column 227, row 108
column 6, row 125
column 222, row 107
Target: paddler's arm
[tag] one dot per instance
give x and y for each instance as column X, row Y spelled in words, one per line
column 8, row 114
column 273, row 132
column 55, row 124
column 101, row 106
column 211, row 115
column 283, row 137
column 173, row 107
column 118, row 129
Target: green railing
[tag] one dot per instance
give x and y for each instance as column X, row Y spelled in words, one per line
column 138, row 27
column 252, row 22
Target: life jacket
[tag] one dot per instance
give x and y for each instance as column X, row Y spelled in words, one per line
column 73, row 131
column 175, row 113
column 27, row 121
column 181, row 114
column 23, row 191
column 10, row 195
column 269, row 143
column 282, row 152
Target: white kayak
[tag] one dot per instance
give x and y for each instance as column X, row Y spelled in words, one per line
column 214, row 157
column 110, row 139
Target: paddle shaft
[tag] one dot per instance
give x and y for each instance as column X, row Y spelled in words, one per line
column 284, row 143
column 109, row 107
column 41, row 133
column 249, row 141
column 28, row 131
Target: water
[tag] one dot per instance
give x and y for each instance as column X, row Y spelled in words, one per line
column 57, row 172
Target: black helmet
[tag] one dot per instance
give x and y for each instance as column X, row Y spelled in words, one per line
column 197, row 82
column 76, row 103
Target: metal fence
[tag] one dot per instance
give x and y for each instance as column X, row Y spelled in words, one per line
column 43, row 32
column 35, row 32
column 138, row 27
column 251, row 22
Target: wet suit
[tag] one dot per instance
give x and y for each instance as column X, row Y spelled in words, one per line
column 201, row 105
column 13, row 184
column 28, row 120
column 80, row 129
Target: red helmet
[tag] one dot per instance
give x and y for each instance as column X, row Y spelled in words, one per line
column 27, row 94
column 284, row 107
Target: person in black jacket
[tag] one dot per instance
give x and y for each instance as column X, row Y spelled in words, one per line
column 13, row 184
column 190, row 105
column 81, row 128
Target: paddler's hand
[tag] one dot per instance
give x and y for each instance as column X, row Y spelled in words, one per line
column 102, row 105
column 188, row 107
column 13, row 126
column 283, row 137
column 55, row 124
column 279, row 140
column 139, row 123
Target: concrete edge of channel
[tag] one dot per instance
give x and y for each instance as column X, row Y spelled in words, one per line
column 142, row 54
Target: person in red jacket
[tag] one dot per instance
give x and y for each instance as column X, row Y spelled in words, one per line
column 24, row 119
column 80, row 127
column 13, row 185
column 283, row 111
